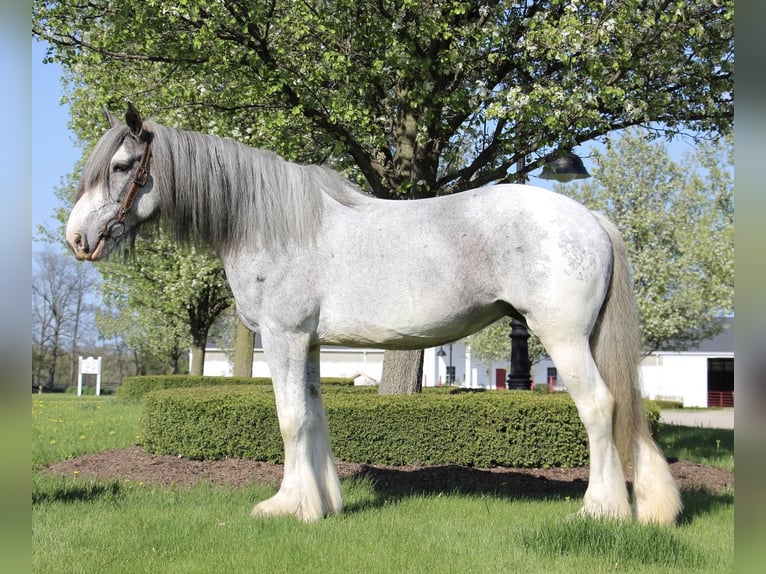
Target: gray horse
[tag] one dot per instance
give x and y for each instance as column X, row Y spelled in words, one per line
column 312, row 260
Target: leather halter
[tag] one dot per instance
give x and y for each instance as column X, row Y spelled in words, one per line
column 139, row 180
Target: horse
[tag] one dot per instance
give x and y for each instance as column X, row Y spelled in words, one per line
column 312, row 259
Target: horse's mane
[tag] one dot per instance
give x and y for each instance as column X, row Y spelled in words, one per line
column 229, row 193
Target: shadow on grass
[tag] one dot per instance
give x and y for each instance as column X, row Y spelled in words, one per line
column 64, row 490
column 698, row 502
column 392, row 484
column 389, row 485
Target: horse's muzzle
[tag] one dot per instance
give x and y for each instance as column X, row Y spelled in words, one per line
column 81, row 249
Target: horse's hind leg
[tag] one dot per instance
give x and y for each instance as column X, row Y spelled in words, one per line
column 606, row 494
column 310, row 488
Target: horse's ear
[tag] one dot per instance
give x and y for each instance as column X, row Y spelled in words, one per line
column 113, row 120
column 133, row 119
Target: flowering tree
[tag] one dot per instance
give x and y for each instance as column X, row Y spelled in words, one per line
column 165, row 299
column 412, row 98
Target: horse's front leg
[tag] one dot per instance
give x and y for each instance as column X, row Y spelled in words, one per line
column 310, row 488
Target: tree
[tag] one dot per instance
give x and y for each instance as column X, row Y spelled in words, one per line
column 677, row 220
column 60, row 289
column 170, row 295
column 414, row 98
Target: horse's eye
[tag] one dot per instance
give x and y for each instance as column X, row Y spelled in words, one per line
column 120, row 167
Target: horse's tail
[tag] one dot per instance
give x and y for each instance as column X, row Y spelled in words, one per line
column 616, row 347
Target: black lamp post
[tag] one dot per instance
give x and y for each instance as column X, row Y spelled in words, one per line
column 563, row 169
column 519, row 377
column 450, row 368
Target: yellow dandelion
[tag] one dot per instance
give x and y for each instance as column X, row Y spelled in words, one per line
column 82, row 437
column 53, row 441
column 75, row 472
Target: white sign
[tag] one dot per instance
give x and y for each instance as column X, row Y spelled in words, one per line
column 89, row 366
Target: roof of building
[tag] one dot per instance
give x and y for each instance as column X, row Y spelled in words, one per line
column 723, row 342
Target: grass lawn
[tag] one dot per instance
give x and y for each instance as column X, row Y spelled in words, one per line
column 81, row 525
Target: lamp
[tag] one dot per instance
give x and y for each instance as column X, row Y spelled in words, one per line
column 565, row 169
column 440, row 352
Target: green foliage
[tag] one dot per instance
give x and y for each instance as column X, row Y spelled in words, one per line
column 164, row 299
column 473, row 429
column 423, row 98
column 667, row 404
column 137, row 387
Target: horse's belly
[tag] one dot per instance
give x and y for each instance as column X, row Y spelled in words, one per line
column 402, row 325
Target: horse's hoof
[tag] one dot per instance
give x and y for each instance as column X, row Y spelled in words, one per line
column 279, row 505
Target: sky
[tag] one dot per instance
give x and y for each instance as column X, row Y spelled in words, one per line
column 54, row 152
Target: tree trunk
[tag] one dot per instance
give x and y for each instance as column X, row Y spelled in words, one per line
column 402, row 373
column 197, row 359
column 51, row 383
column 73, row 373
column 244, row 343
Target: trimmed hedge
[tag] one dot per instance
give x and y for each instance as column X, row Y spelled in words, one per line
column 136, row 387
column 473, row 429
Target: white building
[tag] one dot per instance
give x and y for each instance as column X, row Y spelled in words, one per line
column 699, row 377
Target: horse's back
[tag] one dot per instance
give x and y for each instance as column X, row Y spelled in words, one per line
column 438, row 268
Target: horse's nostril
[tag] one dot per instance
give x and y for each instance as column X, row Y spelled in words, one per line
column 77, row 243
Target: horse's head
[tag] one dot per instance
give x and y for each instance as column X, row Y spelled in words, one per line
column 115, row 191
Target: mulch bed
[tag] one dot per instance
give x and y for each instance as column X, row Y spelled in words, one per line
column 141, row 467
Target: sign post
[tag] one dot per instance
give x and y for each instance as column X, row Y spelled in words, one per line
column 89, row 366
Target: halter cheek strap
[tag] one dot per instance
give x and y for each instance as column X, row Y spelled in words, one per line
column 139, row 181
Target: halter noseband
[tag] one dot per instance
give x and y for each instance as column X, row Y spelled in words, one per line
column 139, row 181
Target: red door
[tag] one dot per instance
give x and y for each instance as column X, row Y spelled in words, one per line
column 500, row 379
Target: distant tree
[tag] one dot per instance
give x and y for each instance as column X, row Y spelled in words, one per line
column 677, row 220
column 419, row 98
column 60, row 290
column 166, row 297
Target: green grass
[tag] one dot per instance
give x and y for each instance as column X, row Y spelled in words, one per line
column 66, row 426
column 714, row 447
column 119, row 526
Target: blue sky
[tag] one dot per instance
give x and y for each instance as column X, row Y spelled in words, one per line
column 54, row 152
